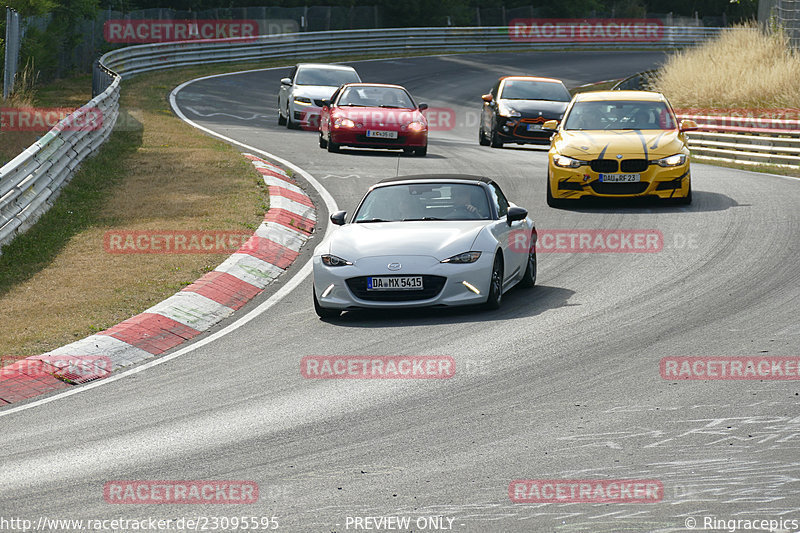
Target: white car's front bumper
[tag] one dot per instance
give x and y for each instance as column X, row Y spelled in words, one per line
column 332, row 289
column 305, row 115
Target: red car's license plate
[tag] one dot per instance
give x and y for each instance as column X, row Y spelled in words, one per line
column 382, row 134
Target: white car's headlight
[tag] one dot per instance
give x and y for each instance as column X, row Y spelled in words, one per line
column 506, row 111
column 672, row 161
column 334, row 261
column 302, row 100
column 466, row 257
column 566, row 162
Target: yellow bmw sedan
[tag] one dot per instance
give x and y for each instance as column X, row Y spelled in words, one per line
column 618, row 144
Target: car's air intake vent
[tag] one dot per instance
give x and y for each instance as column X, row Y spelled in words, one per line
column 604, row 165
column 432, row 286
column 619, row 188
column 633, row 165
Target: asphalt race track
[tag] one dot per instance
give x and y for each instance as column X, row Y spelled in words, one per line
column 562, row 382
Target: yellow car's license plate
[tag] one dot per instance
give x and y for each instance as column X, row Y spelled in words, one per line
column 620, row 178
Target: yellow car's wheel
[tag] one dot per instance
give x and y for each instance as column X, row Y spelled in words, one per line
column 686, row 200
column 553, row 202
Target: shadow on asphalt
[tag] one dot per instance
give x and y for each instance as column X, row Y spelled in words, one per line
column 519, row 302
column 702, row 201
column 377, row 152
column 543, row 148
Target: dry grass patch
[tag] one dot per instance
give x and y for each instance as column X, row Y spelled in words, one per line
column 743, row 67
column 69, row 93
column 12, row 142
column 58, row 284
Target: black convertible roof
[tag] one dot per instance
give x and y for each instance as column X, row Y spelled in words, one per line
column 438, row 177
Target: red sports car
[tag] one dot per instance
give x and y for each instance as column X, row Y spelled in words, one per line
column 372, row 115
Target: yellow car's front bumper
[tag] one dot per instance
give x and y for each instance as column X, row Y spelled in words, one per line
column 655, row 181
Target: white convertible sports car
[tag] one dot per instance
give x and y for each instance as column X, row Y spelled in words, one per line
column 426, row 240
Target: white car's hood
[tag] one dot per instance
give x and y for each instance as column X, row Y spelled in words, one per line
column 439, row 239
column 319, row 92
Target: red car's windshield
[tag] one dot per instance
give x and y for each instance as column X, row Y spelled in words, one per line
column 366, row 96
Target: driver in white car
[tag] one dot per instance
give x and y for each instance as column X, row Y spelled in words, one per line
column 462, row 205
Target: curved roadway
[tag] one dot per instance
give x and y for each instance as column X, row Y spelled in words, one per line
column 561, row 383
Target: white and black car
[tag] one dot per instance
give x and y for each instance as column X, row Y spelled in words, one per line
column 517, row 107
column 425, row 240
column 303, row 90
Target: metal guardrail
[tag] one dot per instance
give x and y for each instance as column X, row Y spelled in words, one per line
column 31, row 181
column 788, row 15
column 736, row 139
column 143, row 58
column 11, row 55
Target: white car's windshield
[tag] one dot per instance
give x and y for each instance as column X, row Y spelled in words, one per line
column 534, row 90
column 424, row 201
column 366, row 96
column 620, row 115
column 325, row 76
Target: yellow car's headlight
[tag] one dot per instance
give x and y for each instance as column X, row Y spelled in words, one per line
column 672, row 161
column 566, row 162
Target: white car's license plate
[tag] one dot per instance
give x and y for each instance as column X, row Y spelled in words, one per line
column 620, row 178
column 394, row 283
column 534, row 127
column 382, row 134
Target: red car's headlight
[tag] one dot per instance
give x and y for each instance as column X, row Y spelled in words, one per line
column 416, row 126
column 341, row 122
